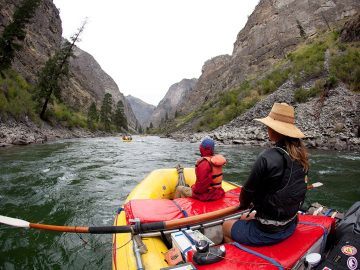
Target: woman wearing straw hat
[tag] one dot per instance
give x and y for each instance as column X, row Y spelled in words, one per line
column 276, row 186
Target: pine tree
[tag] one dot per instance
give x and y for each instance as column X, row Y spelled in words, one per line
column 119, row 118
column 56, row 68
column 47, row 85
column 14, row 33
column 105, row 113
column 93, row 116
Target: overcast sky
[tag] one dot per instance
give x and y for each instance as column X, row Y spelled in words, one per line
column 148, row 45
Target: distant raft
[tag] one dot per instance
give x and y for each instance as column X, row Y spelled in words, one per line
column 126, row 138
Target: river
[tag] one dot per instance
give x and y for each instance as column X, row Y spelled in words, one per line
column 83, row 181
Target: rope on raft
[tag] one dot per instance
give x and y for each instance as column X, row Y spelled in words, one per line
column 181, row 178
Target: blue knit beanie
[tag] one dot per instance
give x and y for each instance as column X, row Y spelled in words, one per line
column 208, row 143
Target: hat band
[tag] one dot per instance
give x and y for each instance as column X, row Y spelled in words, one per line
column 282, row 118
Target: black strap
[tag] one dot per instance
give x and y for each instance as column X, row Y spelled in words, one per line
column 181, row 210
column 217, row 175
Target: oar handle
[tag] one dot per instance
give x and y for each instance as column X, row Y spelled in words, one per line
column 135, row 229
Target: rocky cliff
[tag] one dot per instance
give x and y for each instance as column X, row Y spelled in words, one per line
column 270, row 33
column 141, row 109
column 43, row 36
column 87, row 81
column 334, row 124
column 170, row 104
column 329, row 121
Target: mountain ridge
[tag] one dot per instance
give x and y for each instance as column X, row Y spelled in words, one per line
column 170, row 104
column 141, row 109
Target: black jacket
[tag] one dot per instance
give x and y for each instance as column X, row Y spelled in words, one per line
column 276, row 186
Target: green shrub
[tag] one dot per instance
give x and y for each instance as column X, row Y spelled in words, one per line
column 3, row 104
column 332, row 81
column 220, row 115
column 308, row 61
column 335, row 35
column 77, row 121
column 61, row 112
column 345, row 66
column 68, row 117
column 15, row 97
column 302, row 95
column 272, row 81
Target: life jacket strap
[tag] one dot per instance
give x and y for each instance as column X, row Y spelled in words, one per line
column 275, row 222
column 216, row 175
column 215, row 184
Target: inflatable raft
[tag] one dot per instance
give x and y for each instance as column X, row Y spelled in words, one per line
column 151, row 209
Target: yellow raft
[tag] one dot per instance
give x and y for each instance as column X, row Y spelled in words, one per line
column 159, row 184
column 150, row 203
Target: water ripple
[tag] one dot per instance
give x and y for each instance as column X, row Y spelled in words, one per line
column 83, row 182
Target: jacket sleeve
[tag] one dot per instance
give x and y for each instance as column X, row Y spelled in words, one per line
column 253, row 182
column 203, row 177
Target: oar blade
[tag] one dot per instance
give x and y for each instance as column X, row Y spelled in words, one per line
column 317, row 184
column 14, row 222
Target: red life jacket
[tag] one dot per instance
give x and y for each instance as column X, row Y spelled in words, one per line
column 216, row 162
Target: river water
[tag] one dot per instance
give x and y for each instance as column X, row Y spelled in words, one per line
column 83, row 181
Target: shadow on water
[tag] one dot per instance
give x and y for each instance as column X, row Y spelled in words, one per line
column 84, row 181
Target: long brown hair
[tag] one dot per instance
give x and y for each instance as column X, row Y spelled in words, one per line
column 297, row 151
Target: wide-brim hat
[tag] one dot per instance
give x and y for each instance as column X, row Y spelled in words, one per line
column 282, row 119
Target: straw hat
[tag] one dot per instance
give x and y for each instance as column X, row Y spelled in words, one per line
column 282, row 119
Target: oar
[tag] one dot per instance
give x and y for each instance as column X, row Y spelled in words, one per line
column 74, row 229
column 135, row 229
column 314, row 185
column 178, row 223
column 311, row 186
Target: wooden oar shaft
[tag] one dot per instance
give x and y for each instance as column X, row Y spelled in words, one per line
column 73, row 229
column 79, row 229
column 310, row 186
column 171, row 224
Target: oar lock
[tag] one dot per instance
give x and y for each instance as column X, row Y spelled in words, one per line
column 207, row 255
column 136, row 228
column 140, row 244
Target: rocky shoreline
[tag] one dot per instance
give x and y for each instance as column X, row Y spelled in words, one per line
column 329, row 123
column 27, row 132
